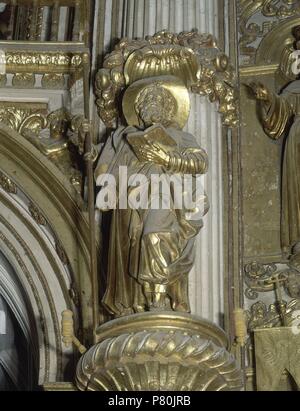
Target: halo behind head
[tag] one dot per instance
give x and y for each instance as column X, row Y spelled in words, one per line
column 172, row 85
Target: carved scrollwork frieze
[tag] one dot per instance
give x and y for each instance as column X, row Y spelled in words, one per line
column 261, row 278
column 257, row 278
column 24, row 116
column 42, row 62
column 257, row 18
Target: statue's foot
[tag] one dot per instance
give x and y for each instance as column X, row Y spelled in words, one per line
column 158, row 301
column 139, row 309
column 156, row 295
column 183, row 308
column 125, row 313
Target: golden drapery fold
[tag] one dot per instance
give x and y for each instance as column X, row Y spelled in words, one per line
column 150, row 248
column 282, row 117
column 276, row 116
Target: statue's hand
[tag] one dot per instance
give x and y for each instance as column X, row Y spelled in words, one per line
column 84, row 128
column 260, row 91
column 154, row 153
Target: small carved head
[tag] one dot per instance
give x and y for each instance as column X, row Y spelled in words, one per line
column 259, row 310
column 296, row 34
column 156, row 105
column 292, row 285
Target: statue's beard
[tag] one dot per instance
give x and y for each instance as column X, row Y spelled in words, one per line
column 152, row 115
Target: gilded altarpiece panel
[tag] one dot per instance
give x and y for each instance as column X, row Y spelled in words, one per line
column 270, row 283
column 261, row 161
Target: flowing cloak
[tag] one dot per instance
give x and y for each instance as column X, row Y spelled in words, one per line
column 147, row 246
column 283, row 116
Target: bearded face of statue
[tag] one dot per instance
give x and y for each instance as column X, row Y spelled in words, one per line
column 156, row 105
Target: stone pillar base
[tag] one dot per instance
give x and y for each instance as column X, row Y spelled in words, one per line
column 159, row 352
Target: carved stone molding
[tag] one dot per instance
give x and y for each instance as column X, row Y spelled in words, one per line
column 46, row 186
column 161, row 352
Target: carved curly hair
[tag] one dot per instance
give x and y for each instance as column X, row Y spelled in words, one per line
column 155, row 104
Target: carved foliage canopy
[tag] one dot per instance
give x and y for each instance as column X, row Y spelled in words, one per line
column 192, row 56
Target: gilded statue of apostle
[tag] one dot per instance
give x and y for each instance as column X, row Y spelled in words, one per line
column 280, row 116
column 151, row 251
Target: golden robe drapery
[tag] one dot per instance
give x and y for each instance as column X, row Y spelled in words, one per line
column 148, row 246
column 282, row 117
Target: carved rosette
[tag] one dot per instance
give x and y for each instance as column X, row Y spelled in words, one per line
column 36, row 214
column 161, row 352
column 7, row 184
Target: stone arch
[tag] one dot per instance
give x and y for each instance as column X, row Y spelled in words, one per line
column 19, row 342
column 44, row 237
